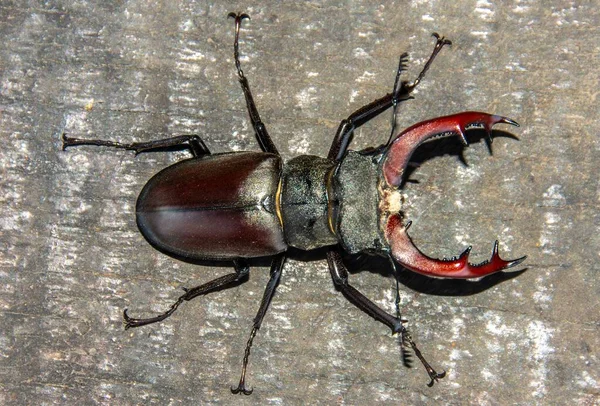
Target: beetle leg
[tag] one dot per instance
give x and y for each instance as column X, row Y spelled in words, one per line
column 439, row 44
column 191, row 142
column 345, row 131
column 406, row 338
column 409, row 256
column 241, row 271
column 276, row 269
column 262, row 136
column 401, row 92
column 339, row 274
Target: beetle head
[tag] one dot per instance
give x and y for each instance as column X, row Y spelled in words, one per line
column 393, row 166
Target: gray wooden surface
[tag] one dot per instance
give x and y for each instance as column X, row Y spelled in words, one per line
column 71, row 258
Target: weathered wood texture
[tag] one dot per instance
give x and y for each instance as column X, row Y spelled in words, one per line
column 71, row 258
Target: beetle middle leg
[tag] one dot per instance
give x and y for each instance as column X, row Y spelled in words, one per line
column 262, row 136
column 401, row 92
column 226, row 281
column 339, row 274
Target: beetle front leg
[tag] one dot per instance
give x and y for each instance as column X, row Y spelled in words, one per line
column 401, row 92
column 339, row 274
column 192, row 142
column 276, row 269
column 345, row 131
column 227, row 281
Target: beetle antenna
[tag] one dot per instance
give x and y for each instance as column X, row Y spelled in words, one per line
column 407, row 356
column 402, row 64
column 406, row 341
column 403, row 89
column 404, row 348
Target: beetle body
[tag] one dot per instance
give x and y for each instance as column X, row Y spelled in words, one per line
column 248, row 204
column 242, row 205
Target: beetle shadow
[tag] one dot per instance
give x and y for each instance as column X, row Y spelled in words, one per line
column 371, row 263
column 437, row 147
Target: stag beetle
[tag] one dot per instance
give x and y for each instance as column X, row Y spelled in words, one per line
column 241, row 205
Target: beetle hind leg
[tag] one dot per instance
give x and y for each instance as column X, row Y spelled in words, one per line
column 223, row 282
column 192, row 142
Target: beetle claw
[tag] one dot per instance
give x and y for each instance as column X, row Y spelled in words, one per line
column 64, row 140
column 435, row 377
column 127, row 321
column 441, row 39
column 242, row 390
column 238, row 16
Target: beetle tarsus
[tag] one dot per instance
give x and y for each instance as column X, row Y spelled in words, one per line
column 439, row 44
column 131, row 322
column 239, row 17
column 407, row 341
column 260, row 131
column 241, row 388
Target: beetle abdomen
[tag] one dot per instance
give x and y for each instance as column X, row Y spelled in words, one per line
column 215, row 207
